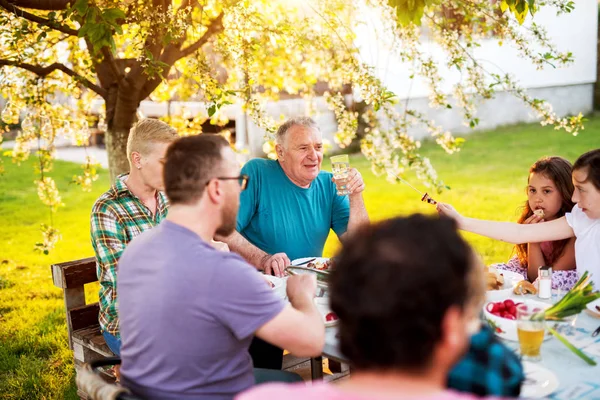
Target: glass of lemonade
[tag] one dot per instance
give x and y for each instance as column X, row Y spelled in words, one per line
column 340, row 166
column 530, row 333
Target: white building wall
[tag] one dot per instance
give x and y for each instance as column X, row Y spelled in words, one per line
column 568, row 89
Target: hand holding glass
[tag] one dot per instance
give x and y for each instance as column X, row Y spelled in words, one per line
column 340, row 166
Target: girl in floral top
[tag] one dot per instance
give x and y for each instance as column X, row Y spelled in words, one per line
column 549, row 192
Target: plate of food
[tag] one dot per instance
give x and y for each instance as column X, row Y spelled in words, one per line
column 318, row 263
column 329, row 317
column 313, row 265
column 593, row 308
column 500, row 284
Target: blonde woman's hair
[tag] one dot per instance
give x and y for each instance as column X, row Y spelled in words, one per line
column 147, row 132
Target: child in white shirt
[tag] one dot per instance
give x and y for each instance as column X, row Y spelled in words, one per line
column 583, row 222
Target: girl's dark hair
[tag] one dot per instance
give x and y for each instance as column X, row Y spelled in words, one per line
column 392, row 285
column 590, row 161
column 558, row 170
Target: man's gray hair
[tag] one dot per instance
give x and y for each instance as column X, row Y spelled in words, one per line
column 306, row 122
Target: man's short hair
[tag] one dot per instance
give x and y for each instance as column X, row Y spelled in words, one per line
column 392, row 285
column 190, row 163
column 147, row 132
column 306, row 122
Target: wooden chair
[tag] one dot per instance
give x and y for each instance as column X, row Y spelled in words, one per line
column 85, row 337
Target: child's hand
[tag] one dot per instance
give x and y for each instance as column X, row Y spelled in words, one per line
column 447, row 210
column 534, row 219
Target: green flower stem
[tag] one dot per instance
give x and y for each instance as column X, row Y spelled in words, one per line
column 571, row 347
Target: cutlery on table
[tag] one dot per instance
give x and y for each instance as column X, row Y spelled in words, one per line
column 302, row 263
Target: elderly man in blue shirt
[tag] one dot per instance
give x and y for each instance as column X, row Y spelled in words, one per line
column 289, row 208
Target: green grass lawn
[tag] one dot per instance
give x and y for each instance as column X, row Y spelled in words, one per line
column 487, row 178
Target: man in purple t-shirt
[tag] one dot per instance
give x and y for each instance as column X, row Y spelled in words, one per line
column 188, row 312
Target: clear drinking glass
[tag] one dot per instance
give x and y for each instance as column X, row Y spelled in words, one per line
column 340, row 166
column 530, row 333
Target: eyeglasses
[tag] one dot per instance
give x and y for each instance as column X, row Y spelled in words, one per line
column 242, row 180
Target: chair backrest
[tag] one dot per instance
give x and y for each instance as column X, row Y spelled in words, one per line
column 71, row 276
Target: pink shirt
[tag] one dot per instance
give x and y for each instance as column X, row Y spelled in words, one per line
column 326, row 391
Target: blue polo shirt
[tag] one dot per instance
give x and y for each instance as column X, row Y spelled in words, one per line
column 278, row 216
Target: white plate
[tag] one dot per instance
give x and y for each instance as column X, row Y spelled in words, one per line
column 298, row 261
column 280, row 285
column 323, row 307
column 592, row 310
column 510, row 281
column 539, row 381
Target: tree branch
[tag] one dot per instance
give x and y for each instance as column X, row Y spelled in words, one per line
column 43, row 71
column 214, row 27
column 172, row 53
column 112, row 64
column 152, row 44
column 47, row 5
column 12, row 8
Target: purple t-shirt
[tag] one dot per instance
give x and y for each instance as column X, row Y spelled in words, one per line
column 187, row 315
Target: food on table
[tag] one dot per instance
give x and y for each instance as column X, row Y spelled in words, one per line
column 494, row 279
column 321, row 265
column 427, row 199
column 524, row 287
column 331, row 317
column 504, row 309
column 539, row 212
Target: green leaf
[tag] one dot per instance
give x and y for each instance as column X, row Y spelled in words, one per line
column 81, row 6
column 212, row 110
column 83, row 31
column 91, row 15
column 113, row 46
column 112, row 14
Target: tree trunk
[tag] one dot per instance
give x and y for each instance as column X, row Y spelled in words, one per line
column 121, row 108
column 116, row 145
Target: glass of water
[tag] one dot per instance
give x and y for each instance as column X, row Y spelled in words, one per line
column 340, row 166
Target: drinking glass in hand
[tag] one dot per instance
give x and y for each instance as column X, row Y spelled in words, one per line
column 530, row 332
column 340, row 166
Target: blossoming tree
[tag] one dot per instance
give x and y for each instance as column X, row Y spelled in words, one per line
column 57, row 56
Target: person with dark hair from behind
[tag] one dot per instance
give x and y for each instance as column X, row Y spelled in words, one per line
column 407, row 292
column 188, row 311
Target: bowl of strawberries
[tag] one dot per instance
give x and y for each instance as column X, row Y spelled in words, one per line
column 501, row 316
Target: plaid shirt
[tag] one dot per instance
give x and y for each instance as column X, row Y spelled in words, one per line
column 118, row 216
column 488, row 369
